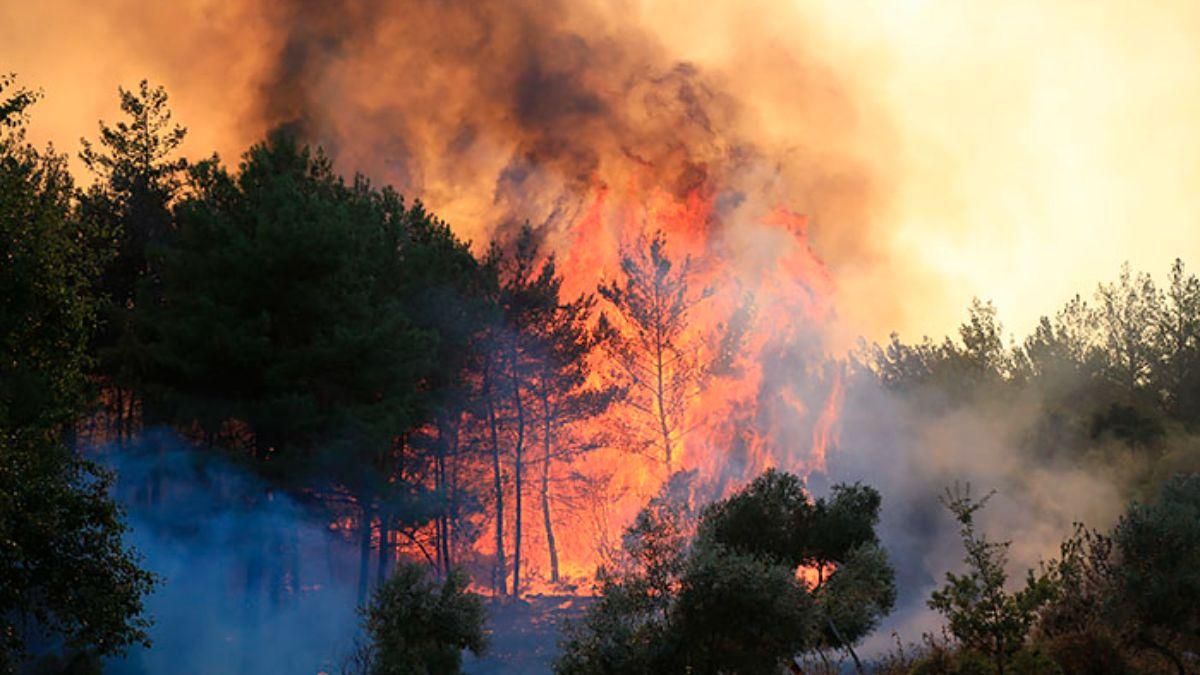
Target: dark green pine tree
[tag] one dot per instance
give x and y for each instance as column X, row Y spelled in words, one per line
column 288, row 312
column 278, row 308
column 526, row 296
column 138, row 176
column 446, row 292
column 540, row 351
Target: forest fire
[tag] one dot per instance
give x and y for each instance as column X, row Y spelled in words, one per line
column 586, row 329
column 606, row 145
column 750, row 303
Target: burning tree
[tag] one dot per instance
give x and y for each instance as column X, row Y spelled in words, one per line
column 536, row 387
column 655, row 358
column 565, row 397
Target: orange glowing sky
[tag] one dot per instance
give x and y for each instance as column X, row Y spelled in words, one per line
column 1016, row 150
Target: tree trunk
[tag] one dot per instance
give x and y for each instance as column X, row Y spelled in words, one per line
column 518, row 468
column 450, row 515
column 858, row 666
column 441, row 523
column 130, row 416
column 442, row 530
column 385, row 550
column 500, row 572
column 364, row 547
column 550, row 543
column 664, row 427
column 118, row 425
column 660, row 393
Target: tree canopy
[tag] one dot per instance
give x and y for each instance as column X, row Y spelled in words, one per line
column 732, row 598
column 68, row 576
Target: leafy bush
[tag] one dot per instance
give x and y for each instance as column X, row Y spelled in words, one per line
column 417, row 626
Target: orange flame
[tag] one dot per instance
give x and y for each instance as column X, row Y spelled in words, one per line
column 771, row 403
column 747, row 418
column 825, row 431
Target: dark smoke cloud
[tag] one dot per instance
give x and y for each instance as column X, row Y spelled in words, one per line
column 499, row 112
column 515, row 111
column 314, row 35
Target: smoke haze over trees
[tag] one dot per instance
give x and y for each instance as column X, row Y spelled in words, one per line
column 356, row 407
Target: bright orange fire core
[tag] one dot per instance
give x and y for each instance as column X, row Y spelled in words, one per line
column 774, row 405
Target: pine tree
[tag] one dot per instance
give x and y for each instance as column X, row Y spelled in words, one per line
column 526, row 297
column 1125, row 314
column 657, row 362
column 290, row 314
column 564, row 393
column 138, row 177
column 1176, row 371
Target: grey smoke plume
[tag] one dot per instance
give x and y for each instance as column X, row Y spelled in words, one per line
column 911, row 452
column 255, row 581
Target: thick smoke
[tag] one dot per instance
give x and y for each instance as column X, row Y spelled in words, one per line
column 496, row 113
column 504, row 112
column 250, row 580
column 254, row 581
column 937, row 146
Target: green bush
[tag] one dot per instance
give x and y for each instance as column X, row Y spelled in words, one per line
column 419, row 627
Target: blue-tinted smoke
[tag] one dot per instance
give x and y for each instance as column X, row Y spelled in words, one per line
column 251, row 580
